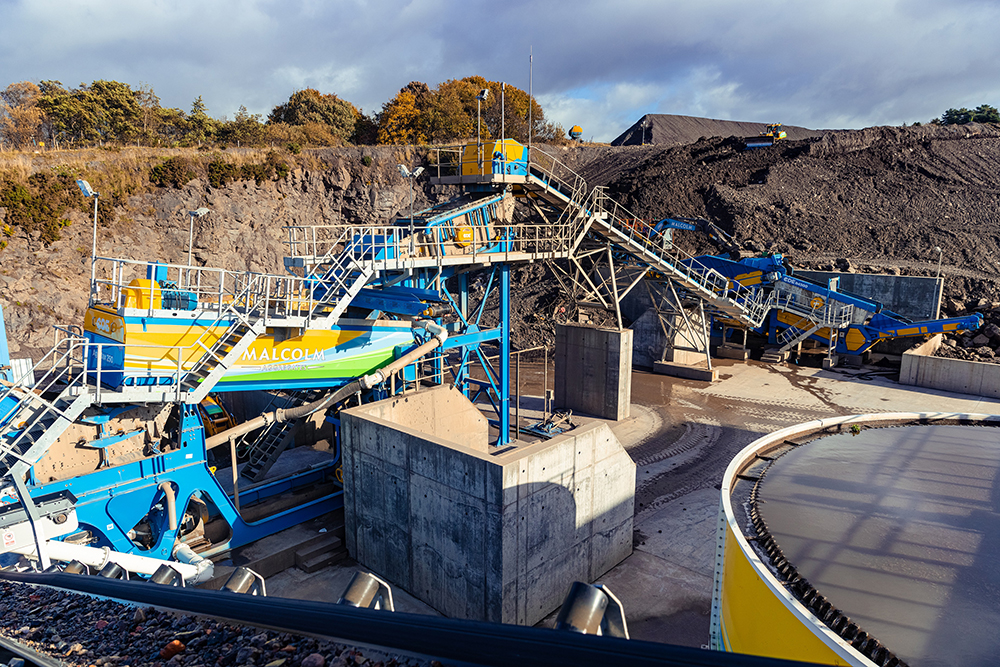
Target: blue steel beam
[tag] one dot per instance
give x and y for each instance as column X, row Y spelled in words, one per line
column 504, row 388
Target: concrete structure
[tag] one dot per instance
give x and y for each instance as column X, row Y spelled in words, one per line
column 488, row 535
column 594, row 370
column 922, row 369
column 914, row 297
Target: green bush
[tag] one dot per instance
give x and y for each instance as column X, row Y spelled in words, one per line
column 367, row 160
column 294, row 148
column 173, row 172
column 221, row 172
column 38, row 205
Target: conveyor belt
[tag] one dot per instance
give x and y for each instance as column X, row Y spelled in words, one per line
column 892, row 534
column 452, row 640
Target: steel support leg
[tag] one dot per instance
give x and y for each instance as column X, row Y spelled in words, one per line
column 34, row 518
column 504, row 438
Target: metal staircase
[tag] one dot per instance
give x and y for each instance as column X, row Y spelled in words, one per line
column 31, row 423
column 600, row 213
column 275, row 438
column 265, row 301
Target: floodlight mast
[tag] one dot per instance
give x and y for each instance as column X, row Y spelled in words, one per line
column 411, row 177
column 89, row 192
column 480, row 98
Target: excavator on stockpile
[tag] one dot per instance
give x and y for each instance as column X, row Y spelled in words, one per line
column 769, row 137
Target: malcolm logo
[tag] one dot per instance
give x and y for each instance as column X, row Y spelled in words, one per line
column 286, row 355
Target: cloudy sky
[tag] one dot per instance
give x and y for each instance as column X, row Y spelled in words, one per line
column 601, row 65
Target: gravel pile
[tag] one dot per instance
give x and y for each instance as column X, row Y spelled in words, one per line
column 83, row 631
column 980, row 345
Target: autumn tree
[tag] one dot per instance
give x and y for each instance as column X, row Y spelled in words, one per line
column 20, row 117
column 311, row 106
column 399, row 122
column 450, row 112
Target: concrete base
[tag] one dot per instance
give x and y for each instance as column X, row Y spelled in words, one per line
column 594, row 370
column 494, row 536
column 685, row 371
column 830, row 362
column 732, row 352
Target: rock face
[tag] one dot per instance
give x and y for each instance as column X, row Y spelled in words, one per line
column 882, row 199
column 41, row 286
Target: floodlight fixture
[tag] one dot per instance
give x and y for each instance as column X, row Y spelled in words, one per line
column 86, row 189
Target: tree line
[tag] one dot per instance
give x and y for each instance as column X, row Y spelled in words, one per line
column 110, row 112
column 984, row 113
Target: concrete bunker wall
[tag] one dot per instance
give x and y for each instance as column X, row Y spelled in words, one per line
column 495, row 537
column 922, row 369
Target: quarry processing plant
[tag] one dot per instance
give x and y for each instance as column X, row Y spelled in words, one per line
column 109, row 444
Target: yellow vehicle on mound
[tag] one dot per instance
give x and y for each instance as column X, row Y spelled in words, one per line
column 767, row 138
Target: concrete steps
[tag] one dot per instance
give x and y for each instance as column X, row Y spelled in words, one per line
column 328, row 551
column 774, row 356
column 281, row 551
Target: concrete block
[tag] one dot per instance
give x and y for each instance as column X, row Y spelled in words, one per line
column 545, row 586
column 732, row 352
column 453, row 468
column 603, row 441
column 593, row 370
column 610, row 548
column 494, row 537
column 553, row 463
column 684, row 357
column 686, row 372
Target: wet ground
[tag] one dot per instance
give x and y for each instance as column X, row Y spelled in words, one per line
column 682, row 435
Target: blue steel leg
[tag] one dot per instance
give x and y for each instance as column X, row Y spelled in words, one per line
column 504, row 355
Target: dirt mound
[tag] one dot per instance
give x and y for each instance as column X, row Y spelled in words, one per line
column 672, row 130
column 888, row 196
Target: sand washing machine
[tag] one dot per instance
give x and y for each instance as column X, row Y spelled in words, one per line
column 863, row 540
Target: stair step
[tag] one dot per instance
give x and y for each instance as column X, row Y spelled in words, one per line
column 323, row 560
column 330, row 542
column 320, row 554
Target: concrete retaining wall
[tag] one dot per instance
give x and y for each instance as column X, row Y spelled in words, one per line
column 922, row 369
column 494, row 537
column 594, row 370
column 914, row 297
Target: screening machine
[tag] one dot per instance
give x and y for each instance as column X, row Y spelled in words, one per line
column 803, row 309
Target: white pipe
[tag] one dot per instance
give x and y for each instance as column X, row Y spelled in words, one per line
column 192, row 572
column 187, row 555
column 168, row 491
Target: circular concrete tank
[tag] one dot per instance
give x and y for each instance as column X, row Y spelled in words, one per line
column 866, row 540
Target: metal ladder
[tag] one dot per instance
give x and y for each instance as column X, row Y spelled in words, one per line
column 275, row 438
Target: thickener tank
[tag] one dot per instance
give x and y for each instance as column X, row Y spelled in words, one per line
column 863, row 540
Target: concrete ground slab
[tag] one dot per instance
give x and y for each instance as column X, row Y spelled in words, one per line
column 682, row 434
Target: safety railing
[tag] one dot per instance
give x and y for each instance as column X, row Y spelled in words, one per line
column 390, row 248
column 825, row 313
column 228, row 295
column 78, row 370
column 654, row 247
